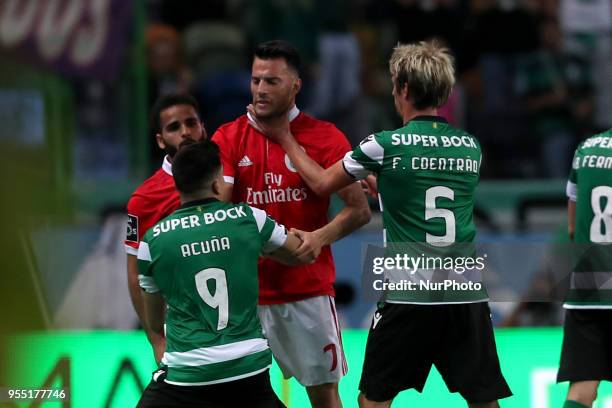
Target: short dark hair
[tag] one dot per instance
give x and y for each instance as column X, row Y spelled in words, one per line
column 280, row 49
column 166, row 101
column 195, row 166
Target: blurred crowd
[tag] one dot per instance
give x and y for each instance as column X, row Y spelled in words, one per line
column 532, row 76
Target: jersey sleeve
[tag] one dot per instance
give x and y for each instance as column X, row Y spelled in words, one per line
column 273, row 235
column 145, row 275
column 572, row 183
column 364, row 159
column 137, row 224
column 227, row 149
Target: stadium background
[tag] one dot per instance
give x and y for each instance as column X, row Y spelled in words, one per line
column 77, row 78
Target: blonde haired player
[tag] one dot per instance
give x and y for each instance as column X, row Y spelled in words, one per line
column 427, row 172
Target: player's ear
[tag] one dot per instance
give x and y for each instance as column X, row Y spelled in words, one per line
column 204, row 134
column 160, row 141
column 216, row 187
column 297, row 85
column 405, row 92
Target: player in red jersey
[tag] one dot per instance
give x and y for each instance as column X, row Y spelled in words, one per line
column 175, row 121
column 297, row 308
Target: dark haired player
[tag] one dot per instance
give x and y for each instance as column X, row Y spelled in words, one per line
column 201, row 261
column 297, row 307
column 586, row 357
column 174, row 120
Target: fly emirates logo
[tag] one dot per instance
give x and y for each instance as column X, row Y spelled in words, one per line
column 274, row 193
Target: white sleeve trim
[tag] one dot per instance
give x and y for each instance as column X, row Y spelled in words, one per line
column 277, row 239
column 572, row 191
column 148, row 284
column 373, row 150
column 131, row 250
column 278, row 236
column 143, row 252
column 228, row 179
column 354, row 168
column 260, row 217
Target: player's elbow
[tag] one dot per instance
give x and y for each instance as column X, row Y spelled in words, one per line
column 156, row 326
column 363, row 216
column 322, row 188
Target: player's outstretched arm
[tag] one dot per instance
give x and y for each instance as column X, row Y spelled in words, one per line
column 321, row 181
column 288, row 253
column 355, row 214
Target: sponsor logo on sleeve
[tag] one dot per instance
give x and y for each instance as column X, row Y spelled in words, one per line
column 132, row 228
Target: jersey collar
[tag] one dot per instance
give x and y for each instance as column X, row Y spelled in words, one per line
column 428, row 118
column 167, row 166
column 199, row 202
column 293, row 113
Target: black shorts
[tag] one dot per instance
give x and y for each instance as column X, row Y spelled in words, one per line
column 407, row 339
column 254, row 391
column 587, row 346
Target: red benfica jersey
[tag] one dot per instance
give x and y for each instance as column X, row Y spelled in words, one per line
column 264, row 177
column 155, row 199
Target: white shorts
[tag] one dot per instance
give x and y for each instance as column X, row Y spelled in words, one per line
column 305, row 339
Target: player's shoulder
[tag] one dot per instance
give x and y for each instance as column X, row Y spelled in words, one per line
column 231, row 129
column 455, row 136
column 153, row 234
column 320, row 126
column 598, row 141
column 239, row 210
column 141, row 193
column 381, row 138
column 252, row 211
column 239, row 215
column 246, row 208
column 152, row 190
column 457, row 131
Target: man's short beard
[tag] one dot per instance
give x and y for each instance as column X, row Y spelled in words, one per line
column 171, row 151
column 275, row 114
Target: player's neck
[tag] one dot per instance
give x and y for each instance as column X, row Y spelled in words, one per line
column 411, row 113
column 187, row 198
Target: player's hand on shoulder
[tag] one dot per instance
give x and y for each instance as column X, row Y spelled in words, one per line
column 276, row 129
column 310, row 248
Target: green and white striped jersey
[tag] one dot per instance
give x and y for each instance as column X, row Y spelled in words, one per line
column 590, row 186
column 203, row 260
column 427, row 174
